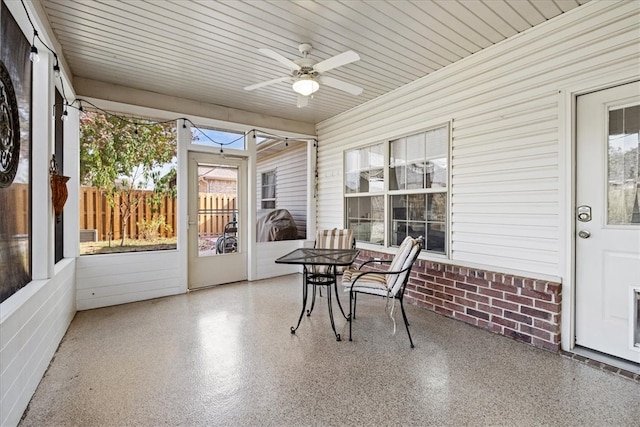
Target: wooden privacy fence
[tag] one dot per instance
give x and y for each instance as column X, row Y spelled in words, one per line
column 14, row 210
column 97, row 214
column 214, row 211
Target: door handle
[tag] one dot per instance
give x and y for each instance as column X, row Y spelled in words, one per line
column 584, row 234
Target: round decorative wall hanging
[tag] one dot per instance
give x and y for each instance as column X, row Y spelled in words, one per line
column 9, row 129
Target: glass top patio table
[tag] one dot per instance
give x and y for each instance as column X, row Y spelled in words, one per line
column 318, row 256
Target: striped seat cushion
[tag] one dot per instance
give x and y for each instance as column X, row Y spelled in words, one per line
column 375, row 283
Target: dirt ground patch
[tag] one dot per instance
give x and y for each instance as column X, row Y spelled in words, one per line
column 130, row 245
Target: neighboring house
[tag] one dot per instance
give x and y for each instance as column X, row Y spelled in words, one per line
column 217, row 180
column 508, row 245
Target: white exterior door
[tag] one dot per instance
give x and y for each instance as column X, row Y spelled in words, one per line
column 217, row 220
column 608, row 221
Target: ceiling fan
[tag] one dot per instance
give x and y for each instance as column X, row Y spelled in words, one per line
column 308, row 74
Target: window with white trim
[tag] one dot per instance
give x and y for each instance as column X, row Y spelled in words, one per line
column 268, row 200
column 399, row 188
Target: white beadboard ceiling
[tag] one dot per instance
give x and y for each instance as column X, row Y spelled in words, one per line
column 208, row 50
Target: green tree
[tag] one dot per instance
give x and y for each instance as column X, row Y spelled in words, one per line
column 120, row 156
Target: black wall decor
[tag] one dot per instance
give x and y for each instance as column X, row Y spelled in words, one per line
column 9, row 129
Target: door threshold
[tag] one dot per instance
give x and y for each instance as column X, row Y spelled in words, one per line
column 605, row 362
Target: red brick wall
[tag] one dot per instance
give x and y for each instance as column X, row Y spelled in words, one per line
column 525, row 309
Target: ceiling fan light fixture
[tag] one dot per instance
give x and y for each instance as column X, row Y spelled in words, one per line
column 305, row 86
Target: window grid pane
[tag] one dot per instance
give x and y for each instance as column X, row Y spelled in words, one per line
column 436, row 222
column 365, row 216
column 268, row 190
column 364, row 170
column 417, row 172
column 408, row 217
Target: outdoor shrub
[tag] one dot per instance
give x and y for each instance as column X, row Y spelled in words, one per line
column 151, row 229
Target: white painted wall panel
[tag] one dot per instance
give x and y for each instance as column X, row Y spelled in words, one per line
column 503, row 104
column 268, row 252
column 104, row 280
column 32, row 324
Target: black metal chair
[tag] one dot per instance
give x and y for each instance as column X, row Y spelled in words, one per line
column 390, row 283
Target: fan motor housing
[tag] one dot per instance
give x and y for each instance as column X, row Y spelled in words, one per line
column 305, row 48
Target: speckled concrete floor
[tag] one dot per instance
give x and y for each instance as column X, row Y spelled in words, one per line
column 225, row 357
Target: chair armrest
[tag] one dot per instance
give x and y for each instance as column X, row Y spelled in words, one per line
column 365, row 273
column 379, row 261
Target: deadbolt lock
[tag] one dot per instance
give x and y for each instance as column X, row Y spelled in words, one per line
column 584, row 213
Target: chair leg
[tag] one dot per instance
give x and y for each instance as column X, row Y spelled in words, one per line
column 354, row 304
column 351, row 308
column 406, row 323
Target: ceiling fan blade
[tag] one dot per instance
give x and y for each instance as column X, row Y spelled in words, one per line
column 336, row 61
column 281, row 59
column 339, row 84
column 302, row 101
column 267, row 83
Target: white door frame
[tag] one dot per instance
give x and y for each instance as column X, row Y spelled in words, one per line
column 208, row 270
column 185, row 147
column 567, row 99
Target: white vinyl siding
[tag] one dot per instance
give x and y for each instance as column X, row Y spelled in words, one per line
column 503, row 103
column 291, row 182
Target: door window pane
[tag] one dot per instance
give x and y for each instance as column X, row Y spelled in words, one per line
column 217, row 209
column 623, row 186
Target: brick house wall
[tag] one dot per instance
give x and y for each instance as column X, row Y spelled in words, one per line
column 524, row 309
